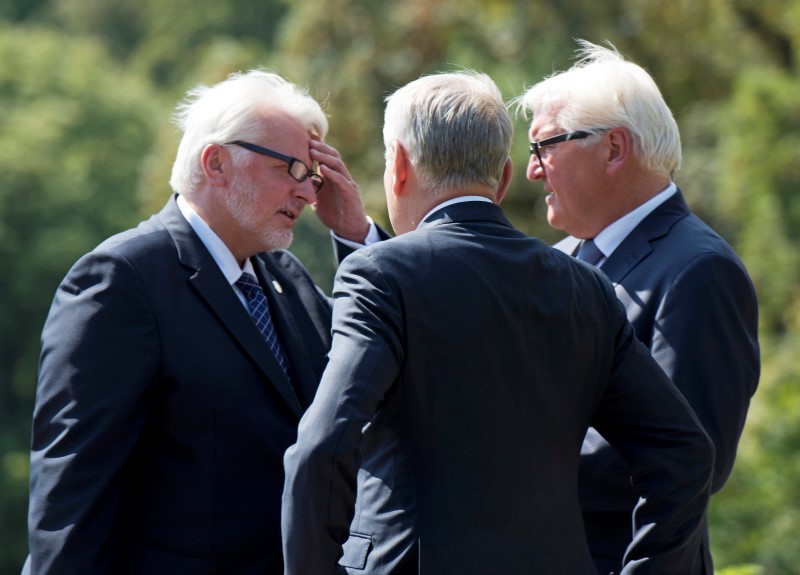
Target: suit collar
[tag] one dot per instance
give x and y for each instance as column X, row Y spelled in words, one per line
column 191, row 251
column 638, row 244
column 214, row 288
column 216, row 247
column 456, row 200
column 466, row 212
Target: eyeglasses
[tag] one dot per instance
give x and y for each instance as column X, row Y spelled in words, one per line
column 297, row 168
column 578, row 135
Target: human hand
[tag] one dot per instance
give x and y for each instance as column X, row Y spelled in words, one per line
column 338, row 205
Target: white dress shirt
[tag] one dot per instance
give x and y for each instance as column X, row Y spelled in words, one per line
column 217, row 248
column 612, row 236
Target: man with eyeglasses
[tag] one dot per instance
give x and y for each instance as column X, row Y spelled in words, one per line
column 606, row 147
column 178, row 356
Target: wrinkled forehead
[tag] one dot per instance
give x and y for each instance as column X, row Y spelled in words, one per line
column 544, row 122
column 284, row 133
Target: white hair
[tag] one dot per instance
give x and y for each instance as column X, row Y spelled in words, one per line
column 603, row 90
column 228, row 111
column 454, row 126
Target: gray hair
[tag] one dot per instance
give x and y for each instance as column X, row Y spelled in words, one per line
column 603, row 90
column 455, row 128
column 229, row 111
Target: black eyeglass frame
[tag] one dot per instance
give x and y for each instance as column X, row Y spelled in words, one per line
column 316, row 179
column 535, row 147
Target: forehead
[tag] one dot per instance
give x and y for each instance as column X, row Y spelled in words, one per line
column 278, row 124
column 284, row 133
column 543, row 123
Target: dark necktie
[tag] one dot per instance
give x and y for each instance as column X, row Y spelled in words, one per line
column 259, row 311
column 589, row 252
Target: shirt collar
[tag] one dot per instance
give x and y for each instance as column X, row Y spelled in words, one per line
column 219, row 251
column 610, row 238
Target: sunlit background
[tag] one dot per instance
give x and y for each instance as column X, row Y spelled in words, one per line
column 87, row 88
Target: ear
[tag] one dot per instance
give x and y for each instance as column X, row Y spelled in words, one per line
column 505, row 181
column 620, row 149
column 212, row 159
column 399, row 169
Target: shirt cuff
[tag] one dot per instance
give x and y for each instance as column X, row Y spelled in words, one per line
column 372, row 237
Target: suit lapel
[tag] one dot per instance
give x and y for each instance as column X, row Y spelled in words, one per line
column 627, row 256
column 212, row 286
column 282, row 299
column 638, row 244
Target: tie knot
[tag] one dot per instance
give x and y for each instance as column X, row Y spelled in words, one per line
column 248, row 284
column 589, row 252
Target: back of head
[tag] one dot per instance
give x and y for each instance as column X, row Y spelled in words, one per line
column 603, row 90
column 229, row 111
column 454, row 127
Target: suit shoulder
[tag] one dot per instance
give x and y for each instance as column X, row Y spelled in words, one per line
column 691, row 239
column 412, row 254
column 143, row 239
column 396, row 247
column 147, row 251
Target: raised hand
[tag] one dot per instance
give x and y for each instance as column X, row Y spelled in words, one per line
column 339, row 205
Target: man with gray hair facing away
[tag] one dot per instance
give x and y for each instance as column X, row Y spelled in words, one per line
column 606, row 147
column 178, row 356
column 467, row 363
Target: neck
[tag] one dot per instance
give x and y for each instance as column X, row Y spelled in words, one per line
column 642, row 189
column 222, row 224
column 625, row 194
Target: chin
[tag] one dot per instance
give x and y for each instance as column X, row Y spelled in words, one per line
column 277, row 241
column 555, row 223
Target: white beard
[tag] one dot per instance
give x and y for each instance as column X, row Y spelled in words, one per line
column 239, row 202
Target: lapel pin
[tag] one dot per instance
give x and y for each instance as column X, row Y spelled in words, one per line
column 277, row 286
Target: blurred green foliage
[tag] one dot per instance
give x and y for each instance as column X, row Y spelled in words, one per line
column 87, row 88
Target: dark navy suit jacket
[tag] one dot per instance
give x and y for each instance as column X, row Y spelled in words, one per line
column 467, row 363
column 161, row 416
column 692, row 303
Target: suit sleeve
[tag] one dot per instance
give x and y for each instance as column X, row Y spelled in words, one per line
column 645, row 418
column 321, row 468
column 341, row 250
column 705, row 338
column 99, row 351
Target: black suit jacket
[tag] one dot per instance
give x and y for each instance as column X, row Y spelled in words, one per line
column 467, row 363
column 161, row 415
column 692, row 303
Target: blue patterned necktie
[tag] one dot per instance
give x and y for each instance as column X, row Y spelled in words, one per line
column 259, row 311
column 589, row 252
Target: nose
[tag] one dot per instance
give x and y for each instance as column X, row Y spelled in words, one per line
column 535, row 170
column 305, row 191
